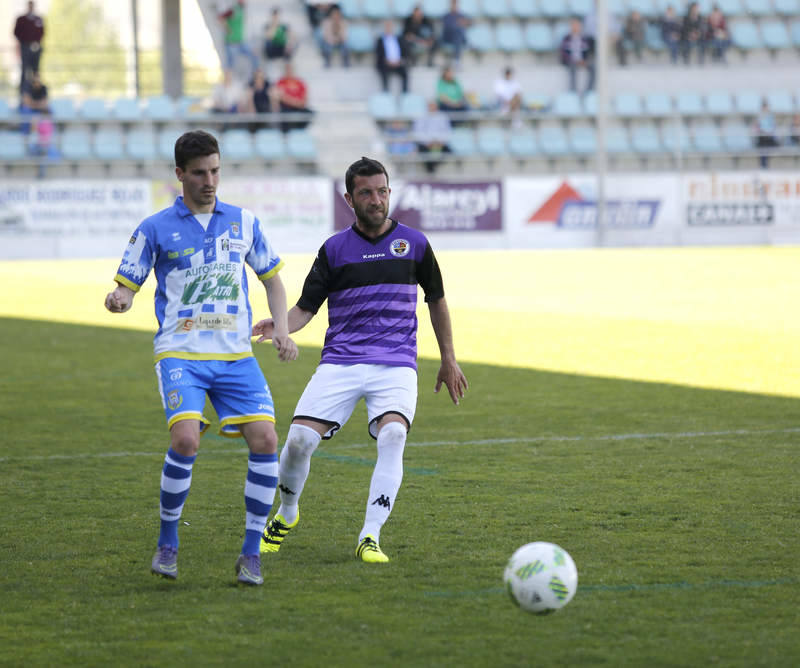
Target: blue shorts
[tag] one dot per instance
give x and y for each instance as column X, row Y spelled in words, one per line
column 237, row 390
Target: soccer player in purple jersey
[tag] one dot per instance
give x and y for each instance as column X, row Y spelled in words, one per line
column 369, row 274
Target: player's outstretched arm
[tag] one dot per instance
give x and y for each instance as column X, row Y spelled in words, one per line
column 449, row 372
column 276, row 298
column 120, row 300
column 297, row 318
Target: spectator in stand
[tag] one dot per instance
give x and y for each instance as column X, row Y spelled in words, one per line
column 577, row 50
column 292, row 94
column 42, row 144
column 228, row 95
column 391, row 56
column 317, row 11
column 765, row 131
column 454, row 31
column 671, row 30
column 334, row 37
column 508, row 93
column 420, row 36
column 794, row 130
column 633, row 36
column 278, row 40
column 432, row 135
column 34, row 95
column 235, row 43
column 614, row 31
column 718, row 37
column 397, row 137
column 29, row 31
column 450, row 95
column 258, row 101
column 693, row 34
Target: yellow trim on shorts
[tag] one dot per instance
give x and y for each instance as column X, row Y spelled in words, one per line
column 119, row 278
column 204, row 423
column 271, row 272
column 204, row 357
column 241, row 419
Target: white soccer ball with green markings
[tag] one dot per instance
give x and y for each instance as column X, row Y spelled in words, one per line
column 541, row 577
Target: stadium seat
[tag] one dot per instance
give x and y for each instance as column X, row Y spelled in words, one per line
column 480, row 38
column 553, row 10
column 676, row 138
column 794, row 30
column 165, row 143
column 496, row 9
column 523, row 9
column 728, row 7
column 747, row 101
column 689, row 103
column 435, row 9
column 491, row 141
column 412, row 105
column 759, row 8
column 618, row 8
column 108, row 144
column 646, row 8
column 189, row 107
column 300, row 145
column 63, row 109
column 126, row 109
column 707, row 138
column 470, row 8
column 780, row 101
column 567, row 103
column 539, row 37
column 236, row 145
column 744, row 35
column 141, row 144
column 580, row 7
column 522, row 143
column 351, row 9
column 645, row 139
column 536, row 101
column 12, row 145
column 628, row 104
column 653, row 38
column 553, row 140
column 76, row 144
column 582, row 138
column 94, row 109
column 360, row 39
column 509, row 37
column 462, row 142
column 382, row 106
column 160, row 108
column 719, row 103
column 269, row 144
column 375, row 10
column 787, row 7
column 736, row 136
column 403, row 8
column 657, row 103
column 5, row 110
column 617, row 141
column 775, row 35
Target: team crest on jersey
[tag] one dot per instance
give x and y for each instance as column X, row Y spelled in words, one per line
column 399, row 247
column 174, row 400
column 235, row 229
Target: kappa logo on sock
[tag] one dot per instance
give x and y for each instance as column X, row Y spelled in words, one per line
column 382, row 501
column 285, row 489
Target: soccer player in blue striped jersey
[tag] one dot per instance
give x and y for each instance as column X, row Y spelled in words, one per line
column 369, row 274
column 198, row 249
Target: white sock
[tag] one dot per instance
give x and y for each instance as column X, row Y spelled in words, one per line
column 295, row 463
column 386, row 479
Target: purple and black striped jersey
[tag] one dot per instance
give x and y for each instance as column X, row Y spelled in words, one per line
column 371, row 288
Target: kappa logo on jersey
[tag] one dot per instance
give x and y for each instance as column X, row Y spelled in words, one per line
column 174, row 400
column 176, row 374
column 399, row 248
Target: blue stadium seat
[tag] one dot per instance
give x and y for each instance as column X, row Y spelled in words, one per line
column 160, row 108
column 236, row 145
column 522, row 143
column 582, row 138
column 63, row 109
column 351, row 9
column 628, row 104
column 794, row 29
column 126, row 109
column 580, row 7
column 480, row 37
column 412, row 105
column 462, row 142
column 689, row 103
column 657, row 103
column 758, row 8
column 523, row 9
column 403, row 8
column 652, row 37
column 736, row 136
column 676, row 138
column 269, row 144
column 94, row 109
column 76, row 144
column 509, row 37
column 469, row 8
column 567, row 103
column 375, row 10
column 141, row 144
column 748, row 101
column 301, row 145
column 360, row 38
column 12, row 145
column 775, row 35
column 553, row 140
column 729, row 7
column 617, row 141
column 707, row 138
column 552, row 9
column 719, row 103
column 646, row 8
column 382, row 106
column 189, row 107
column 618, row 9
column 165, row 142
column 645, row 139
column 780, row 101
column 539, row 37
column 5, row 109
column 435, row 9
column 744, row 35
column 787, row 7
column 108, row 144
column 491, row 141
column 496, row 9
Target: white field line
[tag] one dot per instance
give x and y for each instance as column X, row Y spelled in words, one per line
column 433, row 444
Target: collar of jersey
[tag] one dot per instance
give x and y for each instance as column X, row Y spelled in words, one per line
column 183, row 210
column 374, row 241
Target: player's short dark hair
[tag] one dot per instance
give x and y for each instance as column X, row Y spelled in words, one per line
column 363, row 167
column 194, row 144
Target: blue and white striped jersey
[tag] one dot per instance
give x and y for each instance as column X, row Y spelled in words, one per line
column 201, row 298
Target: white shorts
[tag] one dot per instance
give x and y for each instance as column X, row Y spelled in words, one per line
column 334, row 390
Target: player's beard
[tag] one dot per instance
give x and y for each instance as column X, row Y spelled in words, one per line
column 371, row 218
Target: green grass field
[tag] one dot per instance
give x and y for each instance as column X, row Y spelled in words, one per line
column 639, row 408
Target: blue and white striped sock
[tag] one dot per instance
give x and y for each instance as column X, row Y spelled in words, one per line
column 176, row 478
column 259, row 493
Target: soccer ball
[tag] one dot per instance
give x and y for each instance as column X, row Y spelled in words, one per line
column 541, row 577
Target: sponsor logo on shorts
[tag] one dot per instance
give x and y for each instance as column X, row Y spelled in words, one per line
column 224, row 322
column 399, row 248
column 174, row 400
column 175, row 374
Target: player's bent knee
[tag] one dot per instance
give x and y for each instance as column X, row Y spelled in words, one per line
column 393, row 434
column 301, row 441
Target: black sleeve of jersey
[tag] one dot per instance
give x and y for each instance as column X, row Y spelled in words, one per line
column 430, row 277
column 315, row 288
